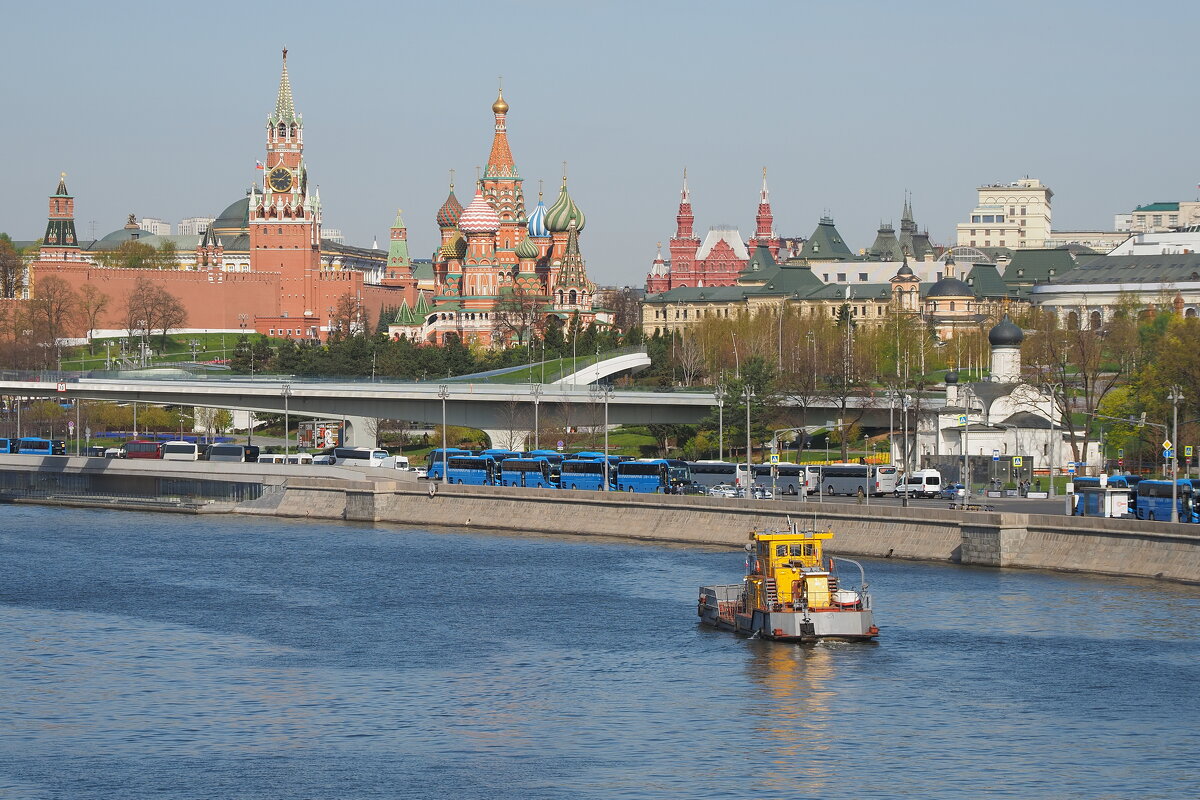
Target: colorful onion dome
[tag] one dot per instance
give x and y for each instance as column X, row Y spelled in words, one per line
column 564, row 210
column 451, row 210
column 479, row 216
column 527, row 249
column 455, row 248
column 537, row 221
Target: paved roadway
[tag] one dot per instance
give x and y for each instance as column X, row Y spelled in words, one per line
column 1012, row 505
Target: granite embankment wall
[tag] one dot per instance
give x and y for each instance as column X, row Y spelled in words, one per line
column 924, row 532
column 1117, row 547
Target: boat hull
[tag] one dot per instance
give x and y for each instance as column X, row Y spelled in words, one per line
column 790, row 626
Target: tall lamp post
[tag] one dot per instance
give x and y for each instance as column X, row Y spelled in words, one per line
column 905, row 402
column 748, row 395
column 443, row 393
column 604, row 392
column 719, row 394
column 535, row 389
column 1175, row 397
column 286, row 391
column 966, row 445
column 1052, row 388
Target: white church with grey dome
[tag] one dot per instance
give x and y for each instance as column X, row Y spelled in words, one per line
column 1006, row 418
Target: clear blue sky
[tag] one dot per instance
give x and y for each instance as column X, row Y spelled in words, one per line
column 159, row 111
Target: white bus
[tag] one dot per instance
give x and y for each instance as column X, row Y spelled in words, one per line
column 849, row 478
column 360, row 456
column 712, row 473
column 180, row 451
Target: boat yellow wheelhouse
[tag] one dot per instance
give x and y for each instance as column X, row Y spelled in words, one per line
column 791, row 592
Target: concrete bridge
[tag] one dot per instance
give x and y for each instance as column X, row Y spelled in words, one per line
column 501, row 410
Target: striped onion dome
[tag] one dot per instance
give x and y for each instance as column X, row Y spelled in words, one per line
column 455, row 248
column 564, row 210
column 537, row 221
column 527, row 249
column 479, row 216
column 451, row 210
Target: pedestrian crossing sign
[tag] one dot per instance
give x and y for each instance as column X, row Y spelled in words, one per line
column 1018, row 461
column 962, row 420
column 774, row 458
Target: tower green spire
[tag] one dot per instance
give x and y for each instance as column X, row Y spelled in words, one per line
column 285, row 107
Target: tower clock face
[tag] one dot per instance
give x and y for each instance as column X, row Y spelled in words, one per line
column 280, row 179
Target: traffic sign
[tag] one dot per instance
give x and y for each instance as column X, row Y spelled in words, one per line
column 71, row 425
column 560, row 444
column 1168, row 453
column 1187, row 450
column 962, row 420
column 1120, row 462
column 1070, row 469
column 995, row 455
column 1120, row 452
column 1018, row 461
column 62, row 387
column 1166, row 444
column 774, row 458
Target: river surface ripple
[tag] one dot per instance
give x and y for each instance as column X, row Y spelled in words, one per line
column 172, row 656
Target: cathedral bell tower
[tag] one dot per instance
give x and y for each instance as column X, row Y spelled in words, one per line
column 284, row 218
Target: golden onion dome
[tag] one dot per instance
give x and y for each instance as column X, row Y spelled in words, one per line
column 499, row 107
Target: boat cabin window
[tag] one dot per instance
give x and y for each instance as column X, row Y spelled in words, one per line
column 784, row 550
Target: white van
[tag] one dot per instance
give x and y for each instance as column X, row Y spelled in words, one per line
column 180, row 451
column 271, row 458
column 396, row 462
column 922, row 483
column 297, row 458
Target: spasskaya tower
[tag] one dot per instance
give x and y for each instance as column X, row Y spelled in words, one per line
column 284, row 218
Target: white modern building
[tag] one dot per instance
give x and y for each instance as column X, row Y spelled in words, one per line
column 194, row 226
column 156, row 226
column 1014, row 215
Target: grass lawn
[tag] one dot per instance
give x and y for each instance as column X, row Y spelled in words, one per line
column 178, row 349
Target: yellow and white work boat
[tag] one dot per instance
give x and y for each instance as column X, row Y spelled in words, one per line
column 791, row 592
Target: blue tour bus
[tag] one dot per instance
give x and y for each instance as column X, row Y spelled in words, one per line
column 646, row 477
column 31, row 445
column 582, row 473
column 1116, row 481
column 471, row 470
column 433, row 463
column 1154, row 500
column 529, row 472
column 8, row 445
column 499, row 453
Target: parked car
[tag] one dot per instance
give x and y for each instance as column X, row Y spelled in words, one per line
column 952, row 491
column 725, row 490
column 114, row 452
column 761, row 493
column 324, row 458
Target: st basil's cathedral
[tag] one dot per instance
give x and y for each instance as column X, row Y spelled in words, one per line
column 500, row 271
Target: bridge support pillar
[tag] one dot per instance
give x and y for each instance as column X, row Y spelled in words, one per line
column 510, row 439
column 361, row 432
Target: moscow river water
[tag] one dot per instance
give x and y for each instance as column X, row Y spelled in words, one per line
column 174, row 656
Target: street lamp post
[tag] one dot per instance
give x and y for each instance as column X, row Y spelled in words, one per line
column 719, row 394
column 286, row 391
column 904, row 404
column 1175, row 397
column 535, row 389
column 748, row 394
column 604, row 392
column 966, row 446
column 737, row 364
column 1050, row 448
column 443, row 393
